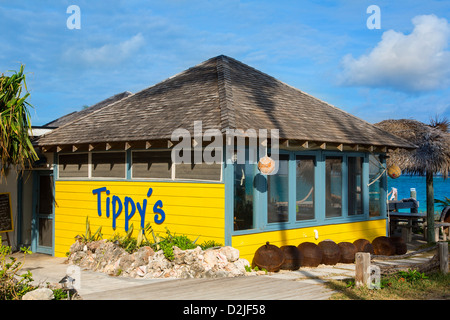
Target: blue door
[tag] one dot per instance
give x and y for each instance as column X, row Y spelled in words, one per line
column 43, row 212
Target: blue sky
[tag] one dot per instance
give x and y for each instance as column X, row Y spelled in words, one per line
column 323, row 48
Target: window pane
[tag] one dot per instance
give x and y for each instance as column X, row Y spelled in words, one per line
column 375, row 170
column 333, row 187
column 152, row 164
column 277, row 192
column 244, row 176
column 201, row 171
column 73, row 165
column 305, row 188
column 355, row 203
column 108, row 165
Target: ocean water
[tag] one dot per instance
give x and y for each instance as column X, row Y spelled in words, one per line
column 405, row 182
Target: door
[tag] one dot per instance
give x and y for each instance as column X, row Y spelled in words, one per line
column 43, row 212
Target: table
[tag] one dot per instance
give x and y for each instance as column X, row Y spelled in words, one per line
column 396, row 217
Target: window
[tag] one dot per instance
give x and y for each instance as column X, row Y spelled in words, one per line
column 108, row 165
column 355, row 187
column 305, row 167
column 73, row 165
column 244, row 176
column 198, row 171
column 333, row 187
column 375, row 181
column 278, row 192
column 152, row 164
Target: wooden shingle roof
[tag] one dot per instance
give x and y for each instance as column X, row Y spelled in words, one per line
column 222, row 93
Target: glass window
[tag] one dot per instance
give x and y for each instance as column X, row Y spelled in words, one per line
column 73, row 165
column 152, row 164
column 198, row 171
column 333, row 187
column 108, row 165
column 278, row 192
column 375, row 169
column 244, row 176
column 355, row 202
column 305, row 187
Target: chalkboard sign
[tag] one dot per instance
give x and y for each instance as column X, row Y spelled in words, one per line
column 6, row 222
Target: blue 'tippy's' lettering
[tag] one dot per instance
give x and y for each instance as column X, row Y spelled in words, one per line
column 98, row 192
column 130, row 207
column 128, row 215
column 116, row 214
column 157, row 210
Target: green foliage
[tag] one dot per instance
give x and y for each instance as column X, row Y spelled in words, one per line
column 59, row 294
column 88, row 236
column 15, row 144
column 442, row 203
column 411, row 276
column 12, row 285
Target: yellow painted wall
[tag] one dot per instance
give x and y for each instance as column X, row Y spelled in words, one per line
column 248, row 244
column 191, row 209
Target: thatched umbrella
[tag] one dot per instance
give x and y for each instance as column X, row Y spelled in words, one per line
column 432, row 155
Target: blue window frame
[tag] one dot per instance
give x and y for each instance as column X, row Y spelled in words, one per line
column 296, row 196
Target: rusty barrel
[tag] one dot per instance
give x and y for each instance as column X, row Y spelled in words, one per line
column 311, row 254
column 331, row 254
column 383, row 246
column 363, row 245
column 268, row 257
column 292, row 258
column 348, row 251
column 399, row 244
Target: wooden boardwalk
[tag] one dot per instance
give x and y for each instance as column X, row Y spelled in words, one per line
column 239, row 288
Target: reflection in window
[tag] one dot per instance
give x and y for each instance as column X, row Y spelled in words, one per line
column 355, row 203
column 152, row 164
column 277, row 192
column 305, row 188
column 375, row 169
column 73, row 165
column 108, row 165
column 244, row 176
column 333, row 187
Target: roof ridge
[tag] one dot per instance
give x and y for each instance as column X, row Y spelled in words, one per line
column 225, row 89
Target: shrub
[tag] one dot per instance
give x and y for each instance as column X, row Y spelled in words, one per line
column 12, row 285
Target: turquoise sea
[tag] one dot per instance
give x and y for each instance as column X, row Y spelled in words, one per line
column 405, row 182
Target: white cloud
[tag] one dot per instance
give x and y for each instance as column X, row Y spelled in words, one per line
column 415, row 62
column 108, row 54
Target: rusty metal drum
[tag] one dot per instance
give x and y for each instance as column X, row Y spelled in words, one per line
column 331, row 254
column 311, row 254
column 268, row 257
column 348, row 251
column 383, row 246
column 292, row 258
column 363, row 245
column 399, row 244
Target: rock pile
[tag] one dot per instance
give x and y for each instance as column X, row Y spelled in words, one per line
column 105, row 256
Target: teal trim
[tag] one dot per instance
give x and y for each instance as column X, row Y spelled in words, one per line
column 128, row 160
column 292, row 187
column 365, row 186
column 19, row 209
column 228, row 177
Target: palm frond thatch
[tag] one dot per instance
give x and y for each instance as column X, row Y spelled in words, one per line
column 433, row 147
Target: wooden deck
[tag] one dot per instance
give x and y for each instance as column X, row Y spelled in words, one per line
column 239, row 288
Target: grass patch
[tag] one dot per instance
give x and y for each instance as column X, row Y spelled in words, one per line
column 408, row 285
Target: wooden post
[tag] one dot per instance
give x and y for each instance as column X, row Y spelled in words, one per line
column 443, row 257
column 430, row 207
column 362, row 272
